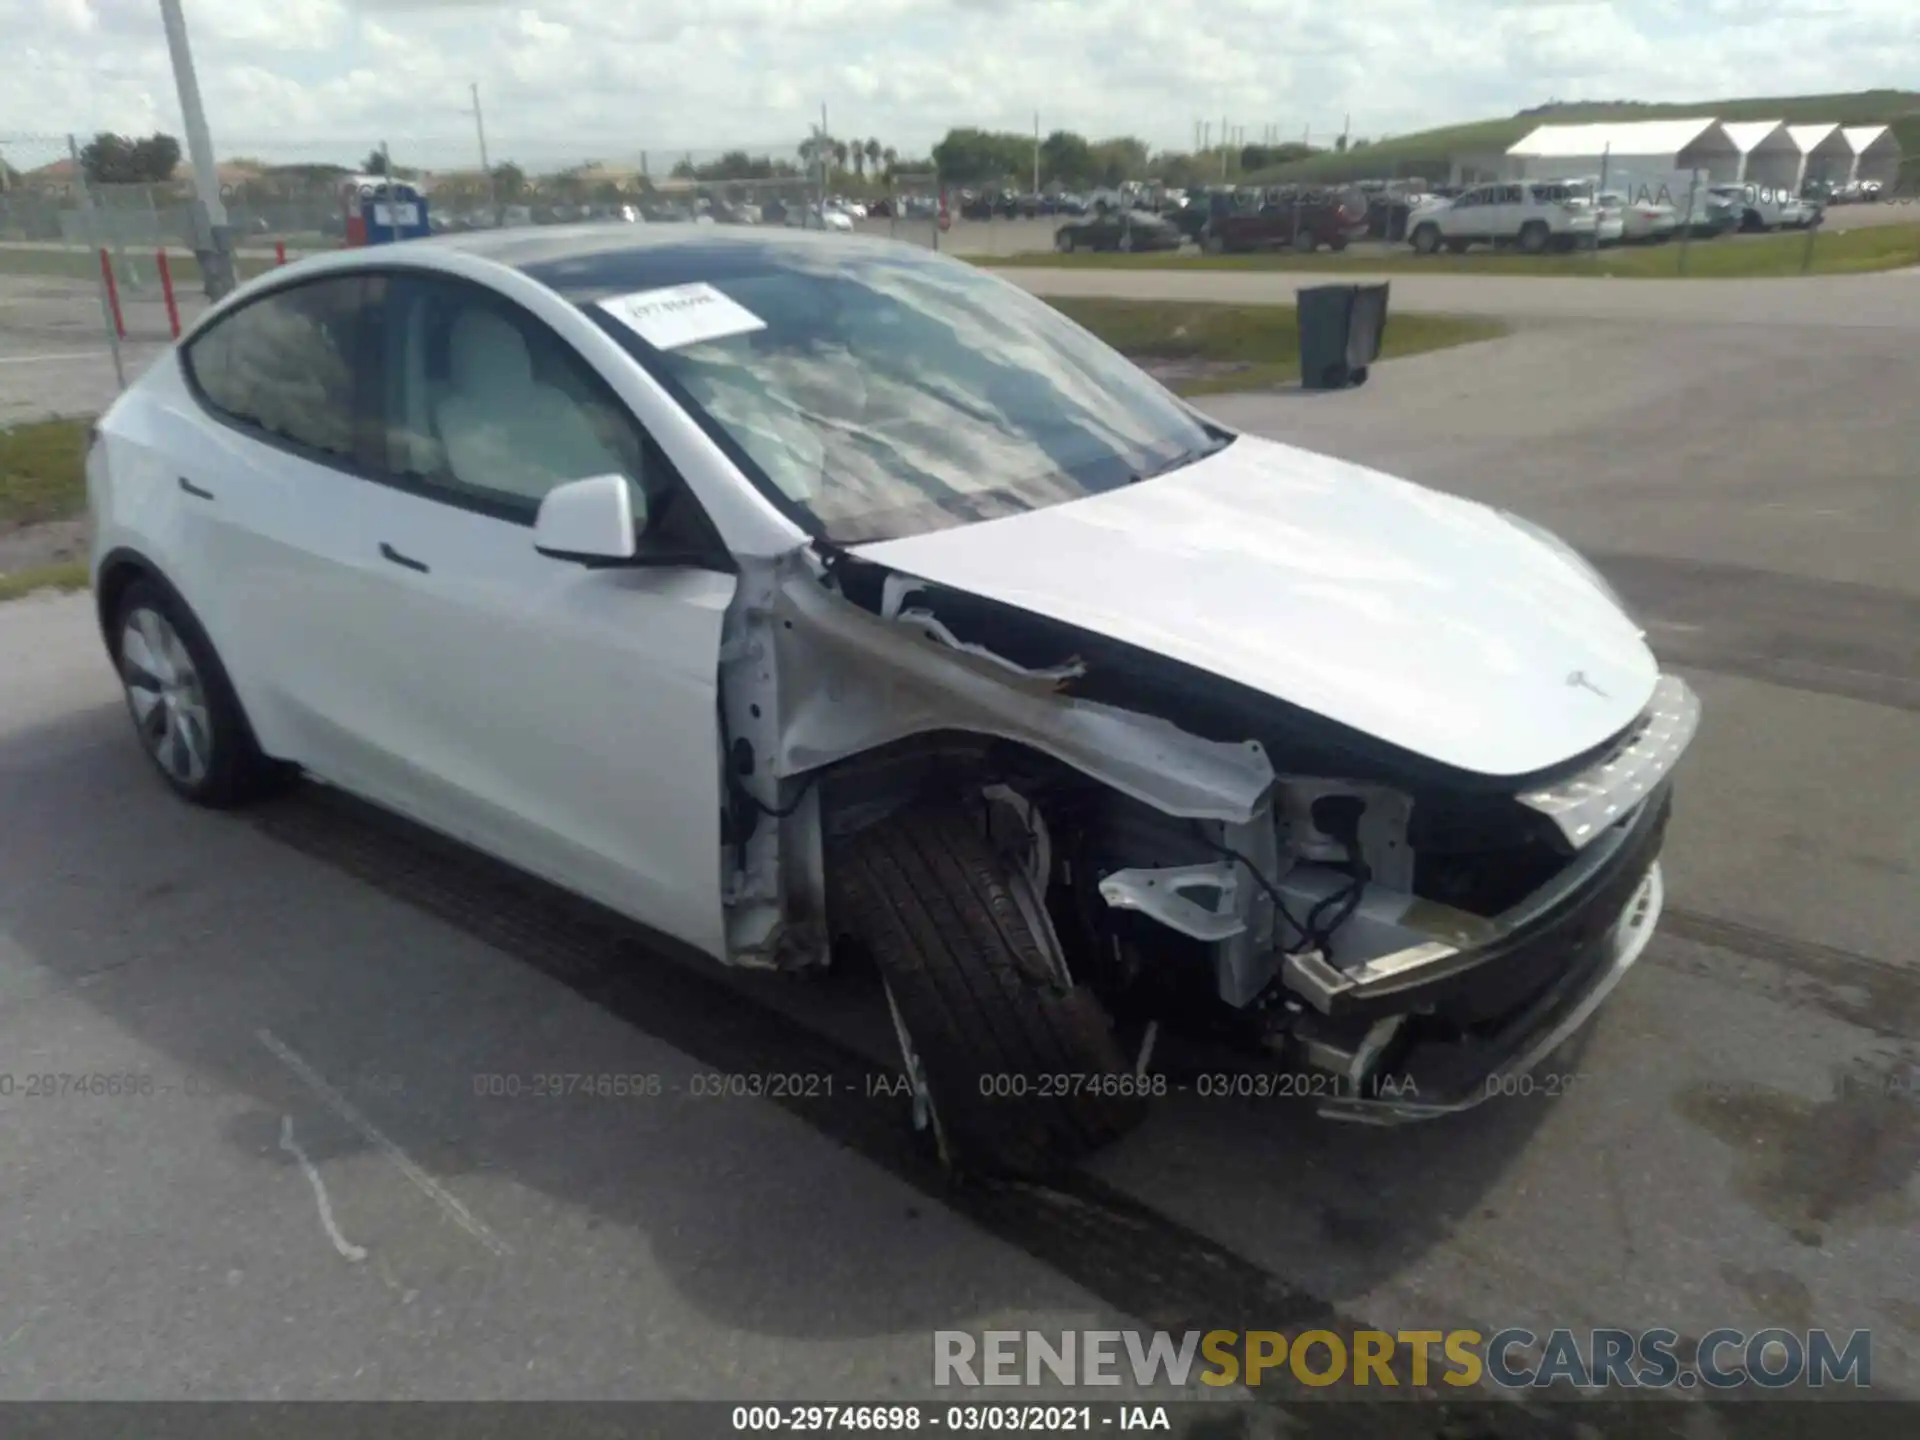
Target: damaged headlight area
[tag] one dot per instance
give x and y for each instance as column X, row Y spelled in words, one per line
column 1403, row 950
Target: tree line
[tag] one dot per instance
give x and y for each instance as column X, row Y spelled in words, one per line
column 964, row 156
column 1068, row 160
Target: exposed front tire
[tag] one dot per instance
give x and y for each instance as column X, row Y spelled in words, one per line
column 1304, row 242
column 1426, row 239
column 1063, row 242
column 1533, row 237
column 184, row 709
column 1015, row 1068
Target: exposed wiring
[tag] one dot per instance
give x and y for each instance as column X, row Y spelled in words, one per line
column 1345, row 900
column 1273, row 891
column 778, row 812
column 735, row 787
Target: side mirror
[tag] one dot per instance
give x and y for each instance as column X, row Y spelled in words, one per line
column 591, row 521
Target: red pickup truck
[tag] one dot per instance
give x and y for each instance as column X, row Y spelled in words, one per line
column 1298, row 220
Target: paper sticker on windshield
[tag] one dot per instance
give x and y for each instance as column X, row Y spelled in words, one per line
column 682, row 315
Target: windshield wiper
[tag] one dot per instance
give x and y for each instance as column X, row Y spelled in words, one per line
column 1181, row 461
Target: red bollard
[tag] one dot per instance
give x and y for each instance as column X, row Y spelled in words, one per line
column 113, row 293
column 166, row 290
column 279, row 252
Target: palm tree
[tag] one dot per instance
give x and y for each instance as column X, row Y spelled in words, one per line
column 873, row 156
column 858, row 153
column 891, row 156
column 839, row 154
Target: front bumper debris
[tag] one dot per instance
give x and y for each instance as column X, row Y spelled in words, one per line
column 1436, row 1080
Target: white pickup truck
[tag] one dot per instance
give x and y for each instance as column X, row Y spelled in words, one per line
column 1537, row 216
column 1767, row 207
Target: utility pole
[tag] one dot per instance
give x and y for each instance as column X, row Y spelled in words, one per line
column 480, row 129
column 212, row 239
column 1223, row 147
column 826, row 155
column 1036, row 152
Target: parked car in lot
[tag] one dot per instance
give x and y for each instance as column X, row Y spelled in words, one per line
column 1640, row 220
column 1123, row 230
column 1713, row 216
column 1765, row 207
column 825, row 217
column 813, row 601
column 1536, row 216
column 1301, row 220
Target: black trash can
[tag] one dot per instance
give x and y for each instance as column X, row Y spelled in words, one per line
column 1341, row 327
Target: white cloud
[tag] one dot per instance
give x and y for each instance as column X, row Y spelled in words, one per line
column 577, row 79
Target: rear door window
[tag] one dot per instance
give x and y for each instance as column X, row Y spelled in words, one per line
column 286, row 366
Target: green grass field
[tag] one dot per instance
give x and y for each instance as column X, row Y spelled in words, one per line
column 1838, row 252
column 42, row 471
column 1418, row 153
column 68, row 575
column 1261, row 341
column 42, row 477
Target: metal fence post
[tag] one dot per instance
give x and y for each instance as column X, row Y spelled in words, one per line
column 1686, row 226
column 107, row 321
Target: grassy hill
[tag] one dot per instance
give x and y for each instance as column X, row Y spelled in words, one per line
column 1427, row 152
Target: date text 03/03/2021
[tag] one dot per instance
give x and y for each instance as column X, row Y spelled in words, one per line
column 953, row 1419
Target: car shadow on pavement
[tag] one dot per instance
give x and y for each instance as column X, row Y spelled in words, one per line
column 194, row 933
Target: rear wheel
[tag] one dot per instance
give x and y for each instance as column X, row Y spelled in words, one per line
column 1013, row 1066
column 1533, row 237
column 183, row 706
column 1063, row 241
column 1304, row 242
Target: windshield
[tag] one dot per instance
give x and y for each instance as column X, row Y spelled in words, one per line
column 891, row 396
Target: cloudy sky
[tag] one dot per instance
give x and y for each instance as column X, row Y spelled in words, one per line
column 565, row 80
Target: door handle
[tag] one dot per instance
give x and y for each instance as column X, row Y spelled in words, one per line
column 387, row 552
column 194, row 490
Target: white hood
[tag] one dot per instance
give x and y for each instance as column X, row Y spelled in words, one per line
column 1427, row 621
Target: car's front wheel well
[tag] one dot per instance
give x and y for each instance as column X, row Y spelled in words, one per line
column 117, row 571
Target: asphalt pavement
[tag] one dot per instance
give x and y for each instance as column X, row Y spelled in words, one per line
column 326, row 1194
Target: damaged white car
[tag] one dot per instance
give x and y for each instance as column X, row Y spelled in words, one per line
column 808, row 598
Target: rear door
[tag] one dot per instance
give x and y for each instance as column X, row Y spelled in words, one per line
column 1506, row 211
column 272, row 504
column 561, row 717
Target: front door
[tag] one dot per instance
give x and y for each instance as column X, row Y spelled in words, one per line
column 561, row 717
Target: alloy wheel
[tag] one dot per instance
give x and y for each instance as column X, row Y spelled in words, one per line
column 167, row 697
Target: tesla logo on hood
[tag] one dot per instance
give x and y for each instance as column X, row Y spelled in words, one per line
column 1579, row 680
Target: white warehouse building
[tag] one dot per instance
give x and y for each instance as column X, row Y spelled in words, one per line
column 1824, row 153
column 1769, row 158
column 1628, row 149
column 1755, row 152
column 1874, row 153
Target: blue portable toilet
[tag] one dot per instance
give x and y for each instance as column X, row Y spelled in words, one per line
column 391, row 210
